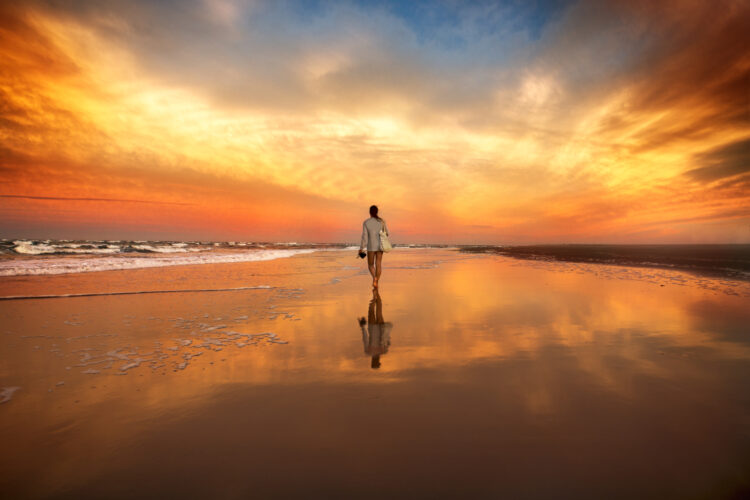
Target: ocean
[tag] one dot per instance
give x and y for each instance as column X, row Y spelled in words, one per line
column 40, row 257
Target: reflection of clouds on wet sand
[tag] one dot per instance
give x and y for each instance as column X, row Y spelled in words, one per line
column 521, row 354
column 499, row 310
column 461, row 311
column 655, row 275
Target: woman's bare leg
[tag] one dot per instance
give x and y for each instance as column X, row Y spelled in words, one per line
column 371, row 266
column 378, row 267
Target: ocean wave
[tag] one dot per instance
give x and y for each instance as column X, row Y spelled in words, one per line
column 156, row 249
column 51, row 247
column 68, row 265
column 27, row 247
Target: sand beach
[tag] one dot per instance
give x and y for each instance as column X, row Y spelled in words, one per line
column 513, row 378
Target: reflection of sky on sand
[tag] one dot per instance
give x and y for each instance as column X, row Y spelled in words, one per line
column 544, row 353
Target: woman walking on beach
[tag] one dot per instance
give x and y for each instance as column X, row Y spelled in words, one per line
column 371, row 241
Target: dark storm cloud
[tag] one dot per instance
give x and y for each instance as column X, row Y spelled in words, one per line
column 692, row 69
column 726, row 161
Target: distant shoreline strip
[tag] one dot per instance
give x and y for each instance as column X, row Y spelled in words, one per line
column 103, row 294
column 722, row 261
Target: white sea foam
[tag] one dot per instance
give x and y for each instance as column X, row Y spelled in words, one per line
column 134, row 364
column 119, row 359
column 29, row 247
column 67, row 265
column 139, row 292
column 101, row 247
column 6, row 393
column 159, row 249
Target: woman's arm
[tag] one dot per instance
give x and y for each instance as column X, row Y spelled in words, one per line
column 363, row 244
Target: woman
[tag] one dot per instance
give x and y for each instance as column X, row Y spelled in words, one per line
column 371, row 241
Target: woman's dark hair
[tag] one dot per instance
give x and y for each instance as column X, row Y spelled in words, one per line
column 374, row 211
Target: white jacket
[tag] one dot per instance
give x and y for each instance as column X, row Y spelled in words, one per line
column 371, row 234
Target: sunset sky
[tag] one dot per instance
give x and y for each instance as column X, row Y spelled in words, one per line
column 466, row 122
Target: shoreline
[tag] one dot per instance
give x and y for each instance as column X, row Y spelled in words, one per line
column 730, row 261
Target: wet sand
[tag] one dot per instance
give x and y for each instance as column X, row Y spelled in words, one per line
column 497, row 378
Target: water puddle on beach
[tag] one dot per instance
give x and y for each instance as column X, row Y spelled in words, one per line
column 466, row 376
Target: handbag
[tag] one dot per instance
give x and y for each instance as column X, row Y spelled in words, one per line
column 385, row 243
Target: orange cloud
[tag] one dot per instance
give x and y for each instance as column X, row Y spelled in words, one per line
column 620, row 122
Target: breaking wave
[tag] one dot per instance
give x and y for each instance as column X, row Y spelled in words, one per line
column 85, row 264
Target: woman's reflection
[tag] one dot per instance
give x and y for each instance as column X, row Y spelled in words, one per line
column 377, row 336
